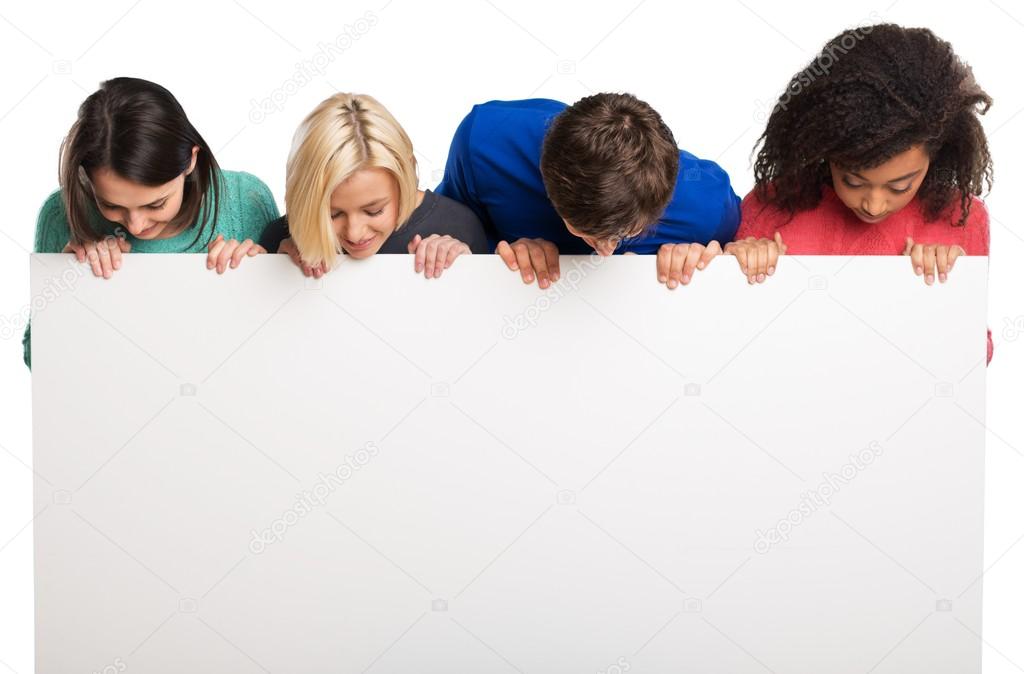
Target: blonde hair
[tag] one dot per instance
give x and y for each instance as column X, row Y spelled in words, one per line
column 344, row 134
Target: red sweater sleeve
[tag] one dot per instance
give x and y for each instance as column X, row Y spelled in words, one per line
column 977, row 243
column 756, row 218
column 977, row 227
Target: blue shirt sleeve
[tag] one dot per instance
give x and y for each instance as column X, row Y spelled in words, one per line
column 730, row 218
column 458, row 182
column 493, row 168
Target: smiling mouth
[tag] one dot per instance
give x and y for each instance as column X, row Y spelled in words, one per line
column 360, row 245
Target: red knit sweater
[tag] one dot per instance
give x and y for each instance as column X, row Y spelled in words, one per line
column 832, row 229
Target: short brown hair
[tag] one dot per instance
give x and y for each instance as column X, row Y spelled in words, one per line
column 609, row 164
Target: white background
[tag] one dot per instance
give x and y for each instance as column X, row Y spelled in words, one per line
column 712, row 70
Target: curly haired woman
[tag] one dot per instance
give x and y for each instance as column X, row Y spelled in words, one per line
column 879, row 153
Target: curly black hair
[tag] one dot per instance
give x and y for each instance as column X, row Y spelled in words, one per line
column 872, row 93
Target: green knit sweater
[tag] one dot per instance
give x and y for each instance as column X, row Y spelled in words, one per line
column 246, row 207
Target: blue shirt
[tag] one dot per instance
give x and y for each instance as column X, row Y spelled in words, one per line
column 494, row 168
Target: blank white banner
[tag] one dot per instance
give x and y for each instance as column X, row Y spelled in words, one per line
column 375, row 472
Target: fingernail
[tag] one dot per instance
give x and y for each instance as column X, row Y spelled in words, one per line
column 662, row 278
column 929, row 279
column 529, row 278
column 771, row 270
column 942, row 277
column 686, row 279
column 918, row 270
column 700, row 265
column 760, row 278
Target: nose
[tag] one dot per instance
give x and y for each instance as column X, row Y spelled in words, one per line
column 873, row 205
column 603, row 247
column 356, row 233
column 136, row 222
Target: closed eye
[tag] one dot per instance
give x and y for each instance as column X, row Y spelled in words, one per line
column 374, row 214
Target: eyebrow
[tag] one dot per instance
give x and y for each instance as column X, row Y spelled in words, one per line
column 375, row 202
column 894, row 180
column 152, row 203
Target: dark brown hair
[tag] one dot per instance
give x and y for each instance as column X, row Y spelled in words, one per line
column 138, row 130
column 872, row 93
column 609, row 164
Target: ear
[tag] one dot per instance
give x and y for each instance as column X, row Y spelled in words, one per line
column 192, row 164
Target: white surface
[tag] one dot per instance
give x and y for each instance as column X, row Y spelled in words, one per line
column 568, row 490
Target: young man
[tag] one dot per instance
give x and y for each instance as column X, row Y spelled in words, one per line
column 604, row 173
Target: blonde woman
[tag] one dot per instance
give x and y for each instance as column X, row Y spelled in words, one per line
column 351, row 189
